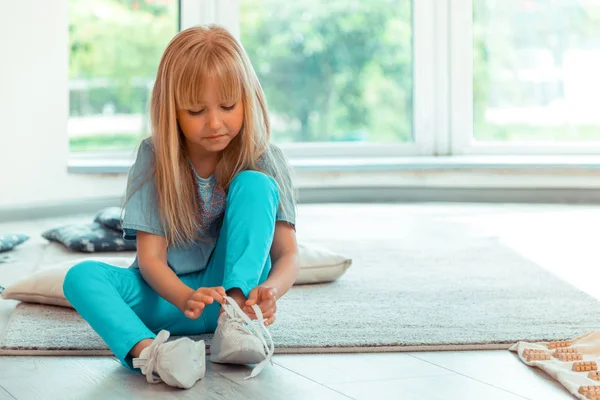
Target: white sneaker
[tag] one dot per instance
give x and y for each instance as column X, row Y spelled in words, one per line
column 179, row 363
column 238, row 339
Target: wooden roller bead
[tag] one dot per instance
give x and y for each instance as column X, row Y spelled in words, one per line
column 564, row 350
column 570, row 357
column 590, row 392
column 584, row 366
column 535, row 354
column 556, row 345
column 527, row 352
column 537, row 357
column 595, row 375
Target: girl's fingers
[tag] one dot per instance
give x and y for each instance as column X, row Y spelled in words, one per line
column 266, row 305
column 205, row 294
column 206, row 298
column 270, row 321
column 253, row 297
column 266, row 314
column 195, row 305
column 221, row 291
column 260, row 295
column 263, row 305
column 193, row 313
column 216, row 294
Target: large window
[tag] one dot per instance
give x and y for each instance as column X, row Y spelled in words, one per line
column 115, row 48
column 357, row 78
column 536, row 69
column 333, row 71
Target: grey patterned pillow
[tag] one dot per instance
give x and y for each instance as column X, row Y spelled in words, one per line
column 10, row 240
column 110, row 217
column 89, row 238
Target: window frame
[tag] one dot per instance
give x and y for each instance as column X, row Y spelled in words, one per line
column 442, row 94
column 463, row 141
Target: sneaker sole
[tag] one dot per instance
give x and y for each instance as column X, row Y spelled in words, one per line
column 236, row 357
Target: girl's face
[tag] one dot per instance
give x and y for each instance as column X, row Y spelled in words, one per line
column 212, row 125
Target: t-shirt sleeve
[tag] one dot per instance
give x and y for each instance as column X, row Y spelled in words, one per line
column 287, row 195
column 141, row 206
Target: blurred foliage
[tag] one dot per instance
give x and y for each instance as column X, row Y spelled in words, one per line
column 342, row 70
column 332, row 71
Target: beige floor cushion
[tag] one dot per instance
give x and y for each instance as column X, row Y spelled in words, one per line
column 317, row 265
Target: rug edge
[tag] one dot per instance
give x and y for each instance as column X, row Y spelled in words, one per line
column 290, row 350
column 72, row 353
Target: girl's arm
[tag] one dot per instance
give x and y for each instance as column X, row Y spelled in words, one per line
column 152, row 260
column 284, row 256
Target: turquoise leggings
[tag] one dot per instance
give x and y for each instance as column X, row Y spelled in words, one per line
column 123, row 309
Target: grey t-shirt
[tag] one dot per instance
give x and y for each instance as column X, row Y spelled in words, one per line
column 141, row 213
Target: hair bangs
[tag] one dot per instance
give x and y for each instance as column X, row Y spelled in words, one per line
column 216, row 66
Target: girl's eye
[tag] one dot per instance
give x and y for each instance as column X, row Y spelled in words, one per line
column 228, row 108
column 191, row 112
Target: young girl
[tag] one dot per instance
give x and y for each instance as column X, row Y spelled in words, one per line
column 211, row 206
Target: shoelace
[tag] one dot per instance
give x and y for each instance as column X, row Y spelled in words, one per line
column 235, row 313
column 147, row 365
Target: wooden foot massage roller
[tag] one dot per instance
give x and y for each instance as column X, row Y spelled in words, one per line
column 570, row 357
column 584, row 366
column 564, row 350
column 556, row 345
column 535, row 355
column 595, row 375
column 590, row 392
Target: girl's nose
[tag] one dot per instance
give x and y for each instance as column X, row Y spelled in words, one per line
column 214, row 122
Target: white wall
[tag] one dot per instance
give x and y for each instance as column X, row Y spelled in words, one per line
column 34, row 109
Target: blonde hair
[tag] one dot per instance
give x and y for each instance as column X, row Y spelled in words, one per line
column 193, row 57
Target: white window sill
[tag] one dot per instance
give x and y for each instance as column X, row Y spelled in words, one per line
column 532, row 173
column 487, row 179
column 82, row 164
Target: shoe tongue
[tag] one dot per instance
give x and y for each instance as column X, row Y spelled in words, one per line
column 238, row 323
column 232, row 310
column 233, row 320
column 223, row 317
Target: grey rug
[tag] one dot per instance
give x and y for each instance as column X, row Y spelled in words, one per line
column 449, row 293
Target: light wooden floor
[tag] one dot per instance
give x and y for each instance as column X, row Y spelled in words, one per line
column 560, row 238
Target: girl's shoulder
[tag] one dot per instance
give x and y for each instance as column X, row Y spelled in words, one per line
column 147, row 145
column 144, row 160
column 145, row 154
column 274, row 162
column 272, row 156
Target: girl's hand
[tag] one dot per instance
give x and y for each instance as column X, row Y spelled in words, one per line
column 266, row 298
column 198, row 300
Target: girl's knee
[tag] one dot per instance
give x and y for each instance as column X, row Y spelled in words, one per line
column 255, row 181
column 79, row 273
